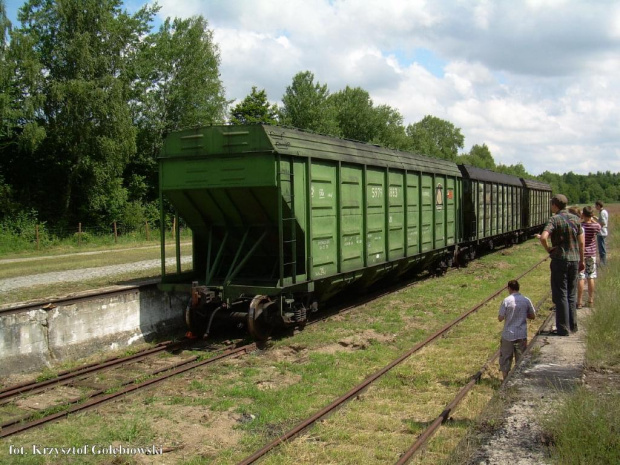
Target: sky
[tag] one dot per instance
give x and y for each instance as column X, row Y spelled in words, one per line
column 537, row 81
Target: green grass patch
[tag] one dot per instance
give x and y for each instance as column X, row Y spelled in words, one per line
column 586, row 430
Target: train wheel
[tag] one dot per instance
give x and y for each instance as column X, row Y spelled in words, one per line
column 258, row 326
column 196, row 320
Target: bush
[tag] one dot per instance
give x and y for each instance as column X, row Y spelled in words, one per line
column 19, row 231
column 83, row 237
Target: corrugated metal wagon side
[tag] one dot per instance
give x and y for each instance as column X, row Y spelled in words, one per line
column 537, row 205
column 283, row 219
column 492, row 204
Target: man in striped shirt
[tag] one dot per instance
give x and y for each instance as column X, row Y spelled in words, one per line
column 591, row 230
column 514, row 312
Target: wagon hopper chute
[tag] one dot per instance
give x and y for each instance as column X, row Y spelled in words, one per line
column 283, row 219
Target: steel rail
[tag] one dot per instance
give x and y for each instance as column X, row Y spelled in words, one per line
column 443, row 417
column 355, row 391
column 66, row 377
column 169, row 372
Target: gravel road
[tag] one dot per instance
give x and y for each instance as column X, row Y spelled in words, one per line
column 83, row 274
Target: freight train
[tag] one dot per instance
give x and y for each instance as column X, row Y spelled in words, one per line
column 283, row 219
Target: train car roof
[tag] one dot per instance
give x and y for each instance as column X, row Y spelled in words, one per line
column 480, row 174
column 541, row 186
column 225, row 140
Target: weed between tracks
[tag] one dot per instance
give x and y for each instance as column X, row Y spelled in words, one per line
column 223, row 413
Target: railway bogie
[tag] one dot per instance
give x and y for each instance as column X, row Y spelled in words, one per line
column 284, row 219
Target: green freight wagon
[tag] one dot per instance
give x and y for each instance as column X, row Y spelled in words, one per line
column 283, row 219
column 537, row 209
column 492, row 204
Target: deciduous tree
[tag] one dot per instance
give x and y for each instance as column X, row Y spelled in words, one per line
column 435, row 137
column 479, row 156
column 72, row 59
column 306, row 105
column 177, row 85
column 355, row 114
column 255, row 108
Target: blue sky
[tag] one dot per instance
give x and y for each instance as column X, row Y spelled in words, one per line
column 535, row 80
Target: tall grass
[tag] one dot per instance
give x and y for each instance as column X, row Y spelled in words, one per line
column 586, row 429
column 24, row 243
column 603, row 335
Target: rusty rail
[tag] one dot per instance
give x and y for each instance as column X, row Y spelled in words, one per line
column 168, row 372
column 355, row 391
column 445, row 414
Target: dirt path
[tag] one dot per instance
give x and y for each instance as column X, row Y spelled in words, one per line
column 554, row 366
column 83, row 274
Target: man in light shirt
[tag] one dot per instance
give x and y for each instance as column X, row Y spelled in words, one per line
column 603, row 220
column 514, row 312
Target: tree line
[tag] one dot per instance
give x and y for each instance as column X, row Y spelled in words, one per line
column 88, row 92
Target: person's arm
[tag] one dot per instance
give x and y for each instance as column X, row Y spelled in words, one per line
column 531, row 311
column 543, row 240
column 582, row 245
column 502, row 312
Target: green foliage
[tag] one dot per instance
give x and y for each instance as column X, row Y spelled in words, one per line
column 71, row 59
column 18, row 231
column 514, row 170
column 583, row 189
column 255, row 108
column 355, row 114
column 5, row 73
column 87, row 94
column 176, row 85
column 435, row 137
column 390, row 131
column 21, row 224
column 585, row 430
column 179, row 84
column 479, row 156
column 306, row 105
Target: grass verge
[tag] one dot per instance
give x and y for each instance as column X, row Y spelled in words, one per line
column 586, row 428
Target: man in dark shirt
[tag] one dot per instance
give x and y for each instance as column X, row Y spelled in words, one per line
column 567, row 260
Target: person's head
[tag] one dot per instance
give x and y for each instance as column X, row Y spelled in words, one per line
column 559, row 201
column 587, row 213
column 513, row 286
column 575, row 210
column 599, row 205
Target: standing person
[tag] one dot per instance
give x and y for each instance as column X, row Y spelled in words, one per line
column 603, row 220
column 567, row 260
column 591, row 230
column 514, row 311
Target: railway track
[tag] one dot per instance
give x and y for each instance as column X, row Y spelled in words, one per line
column 80, row 375
column 144, row 379
column 364, row 385
column 425, row 436
column 98, row 393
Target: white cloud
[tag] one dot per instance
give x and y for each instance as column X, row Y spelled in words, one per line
column 536, row 80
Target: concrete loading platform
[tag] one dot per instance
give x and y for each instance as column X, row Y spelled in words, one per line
column 37, row 335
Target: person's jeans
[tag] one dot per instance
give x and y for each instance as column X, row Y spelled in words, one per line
column 564, row 276
column 602, row 249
